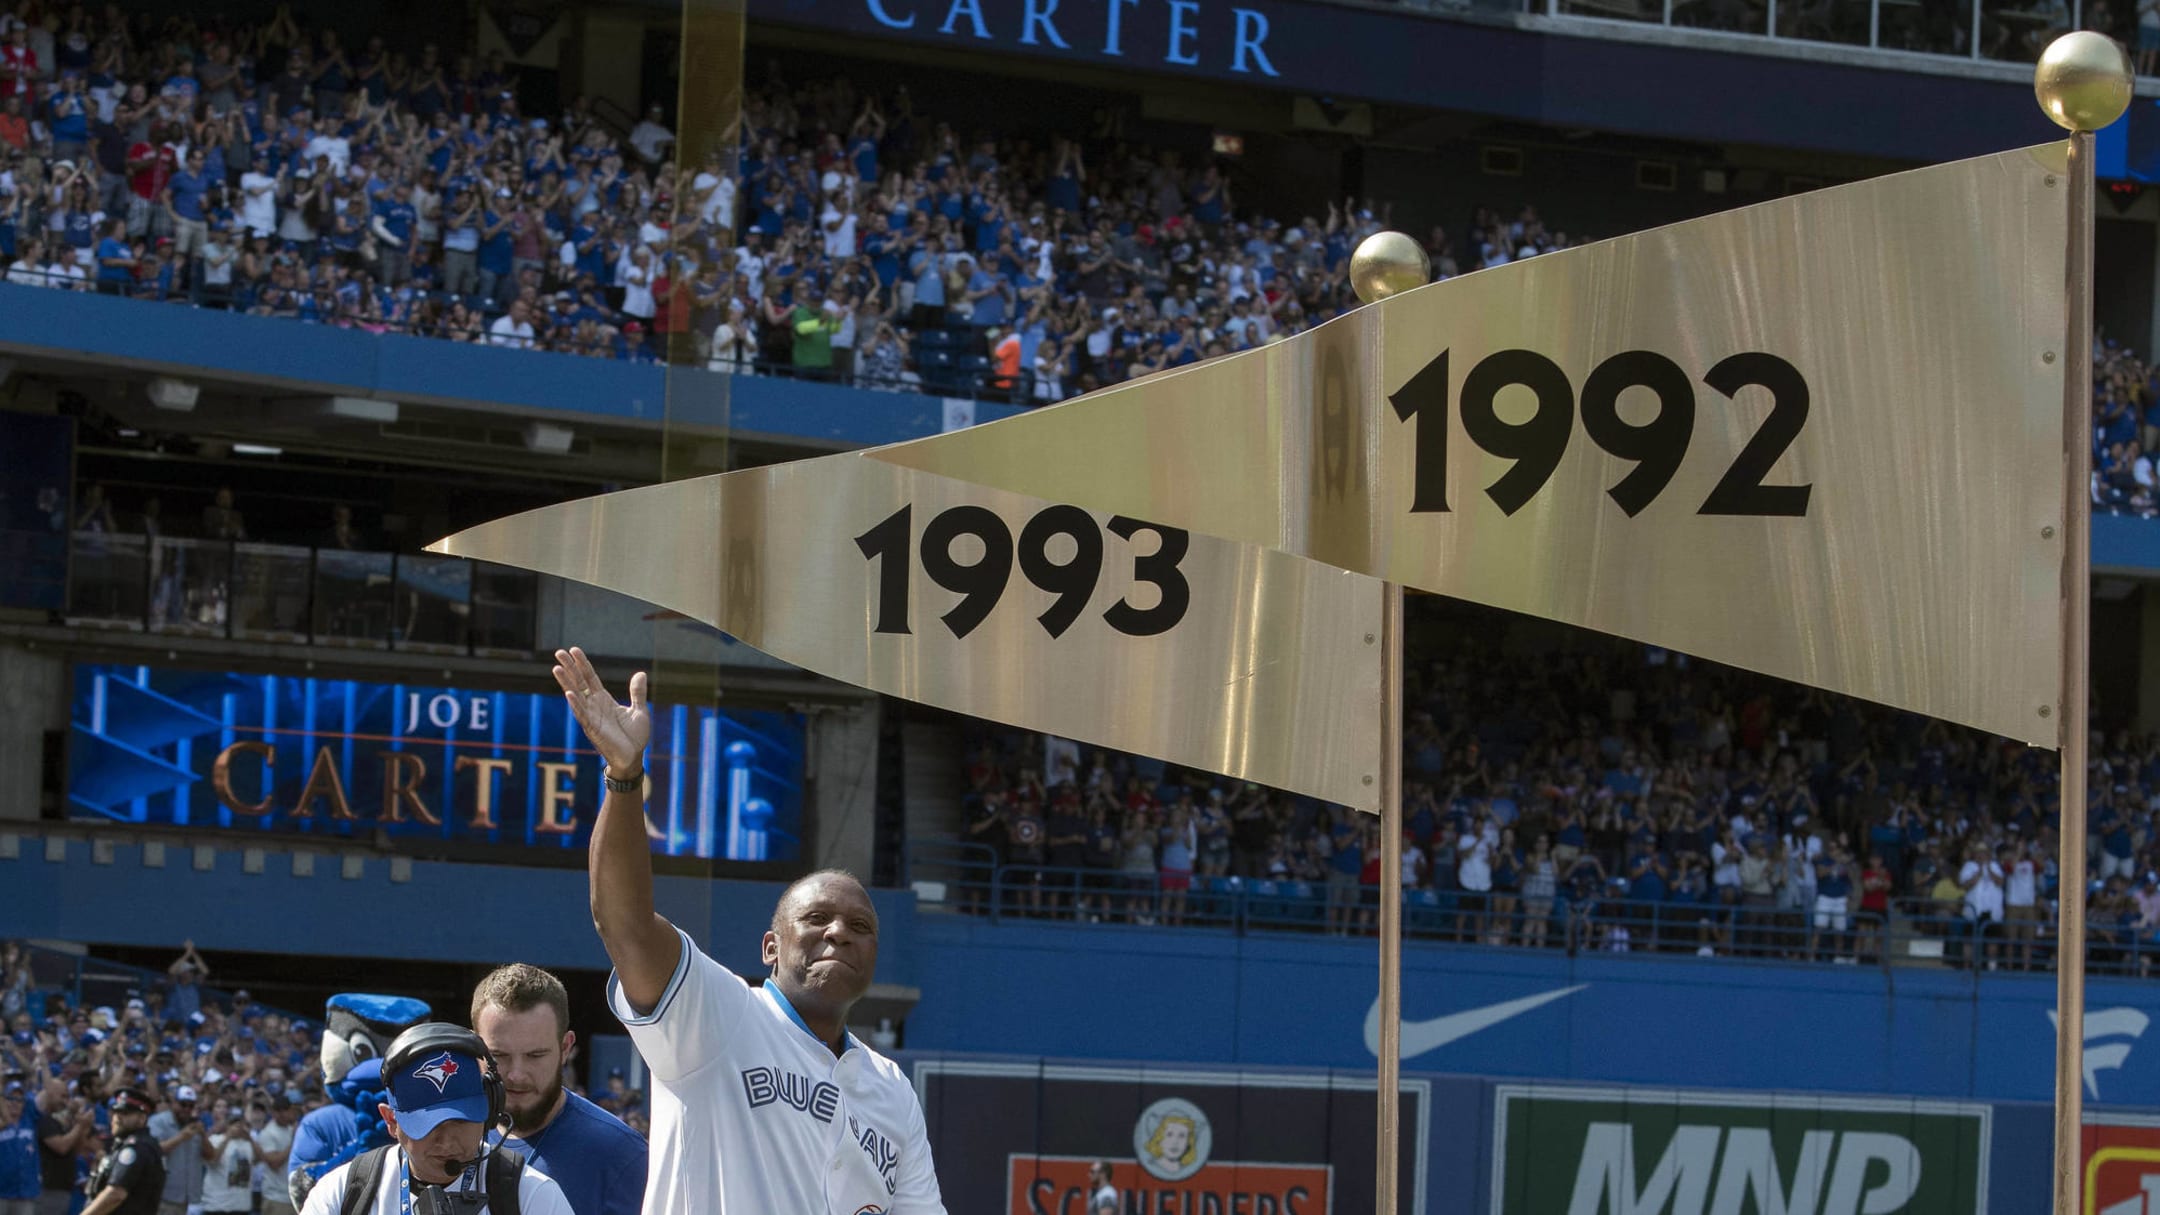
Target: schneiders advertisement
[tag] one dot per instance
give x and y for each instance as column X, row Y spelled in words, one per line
column 1598, row 1151
column 1022, row 1139
column 2122, row 1166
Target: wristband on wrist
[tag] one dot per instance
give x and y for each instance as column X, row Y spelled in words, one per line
column 635, row 783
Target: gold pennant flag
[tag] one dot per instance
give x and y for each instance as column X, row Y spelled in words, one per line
column 1818, row 438
column 1227, row 657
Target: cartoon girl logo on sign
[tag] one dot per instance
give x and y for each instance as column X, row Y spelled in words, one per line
column 1172, row 1139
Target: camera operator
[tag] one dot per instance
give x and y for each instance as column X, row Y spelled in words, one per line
column 445, row 1099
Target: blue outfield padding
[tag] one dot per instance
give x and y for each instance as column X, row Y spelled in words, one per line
column 1301, row 999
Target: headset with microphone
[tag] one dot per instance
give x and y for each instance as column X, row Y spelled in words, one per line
column 429, row 1038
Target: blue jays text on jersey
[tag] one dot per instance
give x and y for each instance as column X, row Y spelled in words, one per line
column 765, row 1085
column 883, row 1155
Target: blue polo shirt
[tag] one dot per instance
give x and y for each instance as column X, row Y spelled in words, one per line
column 187, row 193
column 594, row 1156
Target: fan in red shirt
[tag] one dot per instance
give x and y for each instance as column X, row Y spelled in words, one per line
column 151, row 167
column 14, row 128
column 671, row 306
column 18, row 67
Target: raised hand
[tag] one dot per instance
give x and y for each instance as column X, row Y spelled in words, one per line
column 619, row 732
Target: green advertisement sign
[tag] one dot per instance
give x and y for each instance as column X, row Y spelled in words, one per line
column 1592, row 1151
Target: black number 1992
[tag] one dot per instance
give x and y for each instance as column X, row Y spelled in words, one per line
column 1655, row 447
column 981, row 583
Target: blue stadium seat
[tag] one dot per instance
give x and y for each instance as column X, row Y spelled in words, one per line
column 1308, row 904
column 1425, row 912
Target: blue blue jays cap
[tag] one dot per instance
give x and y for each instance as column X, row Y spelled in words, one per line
column 437, row 1087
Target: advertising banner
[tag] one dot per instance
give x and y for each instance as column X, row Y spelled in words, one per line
column 1586, row 1151
column 347, row 758
column 1027, row 1139
column 2122, row 1165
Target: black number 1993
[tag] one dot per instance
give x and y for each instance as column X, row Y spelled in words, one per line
column 981, row 583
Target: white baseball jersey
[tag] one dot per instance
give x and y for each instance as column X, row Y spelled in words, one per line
column 752, row 1115
column 537, row 1192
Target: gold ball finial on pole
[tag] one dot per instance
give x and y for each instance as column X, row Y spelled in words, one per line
column 1388, row 263
column 2083, row 81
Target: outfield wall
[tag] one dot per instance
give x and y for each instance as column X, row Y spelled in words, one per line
column 1016, row 1135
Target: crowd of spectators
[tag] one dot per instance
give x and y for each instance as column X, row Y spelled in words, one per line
column 1622, row 799
column 273, row 170
column 221, row 1066
column 2126, row 431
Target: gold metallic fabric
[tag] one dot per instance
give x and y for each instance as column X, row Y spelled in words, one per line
column 1271, row 673
column 1922, row 314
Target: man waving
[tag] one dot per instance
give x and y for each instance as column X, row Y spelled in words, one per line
column 765, row 1102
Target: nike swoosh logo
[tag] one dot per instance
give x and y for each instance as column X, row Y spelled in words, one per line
column 1419, row 1037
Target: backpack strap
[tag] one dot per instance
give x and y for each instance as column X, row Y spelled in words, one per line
column 362, row 1180
column 504, row 1170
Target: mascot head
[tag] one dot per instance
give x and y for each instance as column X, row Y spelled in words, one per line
column 357, row 1028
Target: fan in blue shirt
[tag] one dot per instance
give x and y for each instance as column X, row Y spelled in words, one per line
column 188, row 188
column 496, row 249
column 70, row 118
column 19, row 1180
column 116, row 261
column 884, row 260
column 395, row 210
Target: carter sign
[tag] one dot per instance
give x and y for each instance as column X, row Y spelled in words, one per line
column 1189, row 34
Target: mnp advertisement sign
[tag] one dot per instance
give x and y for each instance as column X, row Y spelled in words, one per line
column 344, row 758
column 1022, row 1138
column 1586, row 1151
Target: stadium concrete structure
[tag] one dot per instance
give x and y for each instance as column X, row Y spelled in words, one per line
column 348, row 727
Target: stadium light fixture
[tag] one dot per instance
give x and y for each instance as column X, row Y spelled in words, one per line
column 548, row 439
column 178, row 396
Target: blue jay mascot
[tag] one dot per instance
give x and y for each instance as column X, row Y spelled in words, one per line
column 357, row 1030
